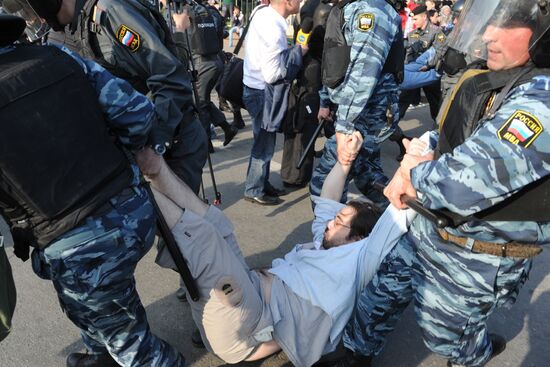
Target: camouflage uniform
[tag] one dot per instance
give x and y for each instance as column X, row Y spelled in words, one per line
column 126, row 38
column 455, row 290
column 364, row 96
column 92, row 265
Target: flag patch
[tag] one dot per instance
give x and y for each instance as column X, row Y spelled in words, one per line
column 522, row 128
column 366, row 22
column 129, row 38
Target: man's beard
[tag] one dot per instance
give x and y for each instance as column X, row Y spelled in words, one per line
column 327, row 243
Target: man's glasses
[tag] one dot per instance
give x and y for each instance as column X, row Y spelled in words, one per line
column 338, row 222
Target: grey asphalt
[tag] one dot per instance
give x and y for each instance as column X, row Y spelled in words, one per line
column 42, row 336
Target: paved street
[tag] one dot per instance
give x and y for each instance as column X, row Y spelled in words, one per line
column 43, row 336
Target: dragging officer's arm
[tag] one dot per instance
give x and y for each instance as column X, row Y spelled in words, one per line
column 130, row 114
column 137, row 48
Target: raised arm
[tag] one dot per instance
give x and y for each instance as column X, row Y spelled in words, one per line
column 333, row 187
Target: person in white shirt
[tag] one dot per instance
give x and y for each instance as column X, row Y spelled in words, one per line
column 264, row 64
column 302, row 303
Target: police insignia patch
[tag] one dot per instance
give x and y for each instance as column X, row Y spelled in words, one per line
column 128, row 38
column 366, row 22
column 522, row 128
column 441, row 38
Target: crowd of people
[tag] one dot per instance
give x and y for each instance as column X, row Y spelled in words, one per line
column 136, row 78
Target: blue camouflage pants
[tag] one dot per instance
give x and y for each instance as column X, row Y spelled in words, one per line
column 92, row 269
column 454, row 292
column 367, row 167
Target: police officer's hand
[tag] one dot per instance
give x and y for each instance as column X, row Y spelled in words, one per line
column 305, row 49
column 148, row 161
column 325, row 114
column 181, row 21
column 410, row 161
column 398, row 187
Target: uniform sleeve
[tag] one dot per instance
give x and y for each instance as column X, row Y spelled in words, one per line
column 138, row 49
column 370, row 32
column 324, row 97
column 505, row 154
column 129, row 113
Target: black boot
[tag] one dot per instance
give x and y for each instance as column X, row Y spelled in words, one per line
column 230, row 132
column 224, row 106
column 238, row 121
column 90, row 360
column 350, row 360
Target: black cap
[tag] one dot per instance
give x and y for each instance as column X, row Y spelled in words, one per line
column 11, row 28
column 421, row 9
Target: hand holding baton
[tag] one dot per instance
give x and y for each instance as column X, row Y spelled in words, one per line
column 435, row 216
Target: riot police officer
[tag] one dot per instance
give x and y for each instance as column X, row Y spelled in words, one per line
column 206, row 35
column 421, row 39
column 75, row 197
column 489, row 175
column 131, row 40
column 363, row 83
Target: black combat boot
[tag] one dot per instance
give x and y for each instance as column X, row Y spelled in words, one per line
column 223, row 105
column 344, row 357
column 90, row 360
column 238, row 121
column 230, row 132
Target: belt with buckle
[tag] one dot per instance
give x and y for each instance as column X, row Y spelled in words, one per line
column 510, row 249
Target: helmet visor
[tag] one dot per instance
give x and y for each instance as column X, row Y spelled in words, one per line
column 481, row 17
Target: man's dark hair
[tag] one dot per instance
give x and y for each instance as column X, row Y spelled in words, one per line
column 366, row 216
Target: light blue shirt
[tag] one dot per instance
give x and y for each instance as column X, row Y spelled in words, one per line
column 331, row 279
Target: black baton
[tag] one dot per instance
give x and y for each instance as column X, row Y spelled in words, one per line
column 438, row 218
column 310, row 144
column 172, row 246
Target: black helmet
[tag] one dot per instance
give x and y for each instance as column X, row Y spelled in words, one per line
column 11, row 28
column 479, row 14
column 48, row 9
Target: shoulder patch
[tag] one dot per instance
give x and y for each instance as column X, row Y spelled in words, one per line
column 441, row 37
column 128, row 38
column 522, row 128
column 365, row 22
